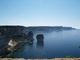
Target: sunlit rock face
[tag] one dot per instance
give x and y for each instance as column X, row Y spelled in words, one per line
column 12, row 43
column 15, row 41
column 18, row 41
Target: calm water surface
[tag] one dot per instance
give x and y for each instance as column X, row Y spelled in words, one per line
column 56, row 44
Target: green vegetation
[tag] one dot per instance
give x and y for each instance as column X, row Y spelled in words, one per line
column 70, row 57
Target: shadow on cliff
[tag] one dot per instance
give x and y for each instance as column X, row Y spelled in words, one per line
column 12, row 43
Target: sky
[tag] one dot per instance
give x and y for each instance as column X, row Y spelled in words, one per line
column 40, row 12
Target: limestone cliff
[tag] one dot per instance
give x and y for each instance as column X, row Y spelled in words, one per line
column 9, row 37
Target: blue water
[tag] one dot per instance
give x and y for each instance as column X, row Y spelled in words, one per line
column 56, row 44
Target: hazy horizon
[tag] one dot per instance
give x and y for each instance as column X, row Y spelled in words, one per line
column 40, row 13
column 38, row 26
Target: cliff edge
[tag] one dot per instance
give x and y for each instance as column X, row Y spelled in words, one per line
column 12, row 36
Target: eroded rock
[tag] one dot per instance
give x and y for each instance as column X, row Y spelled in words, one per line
column 40, row 40
column 12, row 37
column 40, row 36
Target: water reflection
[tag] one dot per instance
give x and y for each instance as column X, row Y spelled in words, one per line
column 40, row 40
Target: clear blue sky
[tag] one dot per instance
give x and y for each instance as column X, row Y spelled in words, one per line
column 40, row 12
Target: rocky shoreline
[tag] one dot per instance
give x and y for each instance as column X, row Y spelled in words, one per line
column 13, row 37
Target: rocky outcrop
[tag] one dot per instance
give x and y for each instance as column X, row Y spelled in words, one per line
column 40, row 36
column 40, row 40
column 12, row 36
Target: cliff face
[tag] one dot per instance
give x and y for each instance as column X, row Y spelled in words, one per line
column 49, row 28
column 11, row 36
column 10, row 31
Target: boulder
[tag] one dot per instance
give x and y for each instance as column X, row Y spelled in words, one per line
column 40, row 36
column 40, row 41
